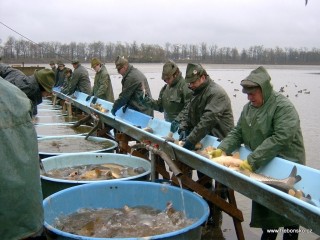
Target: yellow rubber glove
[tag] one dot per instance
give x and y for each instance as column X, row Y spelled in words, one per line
column 245, row 166
column 217, row 153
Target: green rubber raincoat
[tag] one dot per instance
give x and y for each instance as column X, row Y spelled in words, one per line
column 172, row 99
column 21, row 212
column 269, row 131
column 209, row 112
column 133, row 84
column 102, row 87
column 28, row 84
column 80, row 81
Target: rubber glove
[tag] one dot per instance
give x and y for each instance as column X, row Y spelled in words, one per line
column 183, row 135
column 144, row 99
column 174, row 126
column 216, row 153
column 245, row 165
column 88, row 98
column 94, row 100
column 188, row 145
column 124, row 108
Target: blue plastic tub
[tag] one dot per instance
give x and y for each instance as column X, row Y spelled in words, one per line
column 52, row 185
column 117, row 194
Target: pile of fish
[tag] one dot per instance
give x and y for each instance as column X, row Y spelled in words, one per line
column 99, row 107
column 286, row 185
column 126, row 222
column 94, row 172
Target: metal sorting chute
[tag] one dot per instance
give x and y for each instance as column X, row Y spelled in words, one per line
column 132, row 124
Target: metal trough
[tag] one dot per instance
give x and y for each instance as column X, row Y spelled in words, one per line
column 304, row 214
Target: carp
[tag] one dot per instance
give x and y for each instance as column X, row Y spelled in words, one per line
column 284, row 185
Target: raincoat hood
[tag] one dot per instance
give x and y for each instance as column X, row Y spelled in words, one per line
column 261, row 77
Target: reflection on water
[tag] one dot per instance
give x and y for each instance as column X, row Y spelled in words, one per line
column 126, row 222
column 58, row 130
column 55, row 119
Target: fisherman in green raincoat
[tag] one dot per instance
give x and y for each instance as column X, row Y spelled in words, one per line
column 134, row 87
column 102, row 87
column 21, row 211
column 208, row 112
column 269, row 125
column 80, row 80
column 36, row 86
column 60, row 74
column 173, row 96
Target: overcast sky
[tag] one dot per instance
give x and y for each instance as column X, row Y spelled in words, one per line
column 226, row 23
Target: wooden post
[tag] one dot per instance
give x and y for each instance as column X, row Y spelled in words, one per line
column 54, row 99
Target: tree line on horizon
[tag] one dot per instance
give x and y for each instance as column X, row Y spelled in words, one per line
column 20, row 50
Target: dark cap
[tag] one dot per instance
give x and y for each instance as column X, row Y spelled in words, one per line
column 95, row 62
column 169, row 68
column 60, row 63
column 193, row 72
column 75, row 61
column 45, row 77
column 249, row 86
column 120, row 62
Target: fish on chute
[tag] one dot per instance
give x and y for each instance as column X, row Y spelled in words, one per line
column 300, row 195
column 234, row 162
column 286, row 185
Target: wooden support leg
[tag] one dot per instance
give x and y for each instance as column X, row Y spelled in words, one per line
column 236, row 222
column 123, row 146
column 54, row 99
column 69, row 108
column 64, row 107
